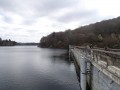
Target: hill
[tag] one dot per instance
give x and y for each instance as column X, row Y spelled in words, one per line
column 100, row 34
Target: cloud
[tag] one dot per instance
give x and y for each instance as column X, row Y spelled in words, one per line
column 29, row 20
column 35, row 7
column 6, row 4
column 76, row 15
column 50, row 6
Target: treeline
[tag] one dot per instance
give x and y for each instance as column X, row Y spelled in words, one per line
column 7, row 42
column 27, row 44
column 101, row 34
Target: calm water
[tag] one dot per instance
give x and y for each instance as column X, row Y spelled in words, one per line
column 32, row 68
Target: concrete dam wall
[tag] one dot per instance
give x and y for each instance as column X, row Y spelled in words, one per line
column 99, row 69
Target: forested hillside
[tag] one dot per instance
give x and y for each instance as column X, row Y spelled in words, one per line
column 7, row 42
column 101, row 34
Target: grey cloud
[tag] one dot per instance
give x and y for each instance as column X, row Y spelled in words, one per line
column 29, row 21
column 3, row 28
column 7, row 19
column 40, row 7
column 8, row 5
column 32, row 9
column 32, row 31
column 77, row 16
column 5, row 3
column 48, row 6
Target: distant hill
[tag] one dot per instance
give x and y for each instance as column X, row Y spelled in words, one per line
column 100, row 34
column 7, row 42
column 27, row 44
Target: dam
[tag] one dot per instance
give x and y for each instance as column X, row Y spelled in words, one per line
column 99, row 69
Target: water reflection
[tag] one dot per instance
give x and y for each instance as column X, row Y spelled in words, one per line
column 61, row 58
column 32, row 68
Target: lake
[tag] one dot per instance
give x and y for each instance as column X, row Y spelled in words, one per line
column 33, row 68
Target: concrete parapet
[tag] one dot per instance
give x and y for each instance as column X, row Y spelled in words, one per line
column 107, row 62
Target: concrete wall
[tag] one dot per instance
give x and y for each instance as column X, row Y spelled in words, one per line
column 100, row 81
column 105, row 71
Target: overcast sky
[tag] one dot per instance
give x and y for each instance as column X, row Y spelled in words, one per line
column 29, row 20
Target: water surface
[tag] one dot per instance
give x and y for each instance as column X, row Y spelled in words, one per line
column 33, row 68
